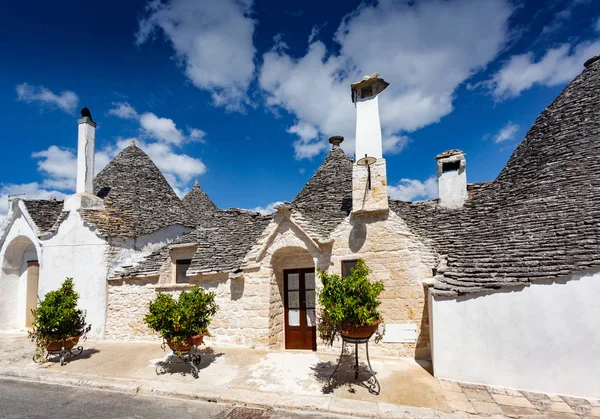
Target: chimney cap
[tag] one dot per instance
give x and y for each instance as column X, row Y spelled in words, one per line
column 449, row 153
column 369, row 86
column 336, row 140
column 85, row 112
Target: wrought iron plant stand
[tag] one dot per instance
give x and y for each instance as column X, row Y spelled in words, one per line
column 190, row 356
column 372, row 384
column 64, row 353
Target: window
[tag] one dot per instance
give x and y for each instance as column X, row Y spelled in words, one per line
column 453, row 165
column 182, row 266
column 347, row 266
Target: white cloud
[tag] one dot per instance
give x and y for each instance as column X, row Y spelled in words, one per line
column 425, row 50
column 411, row 189
column 58, row 166
column 196, row 134
column 394, row 144
column 65, row 100
column 557, row 66
column 507, row 132
column 308, row 144
column 123, row 110
column 163, row 129
column 212, row 39
column 268, row 209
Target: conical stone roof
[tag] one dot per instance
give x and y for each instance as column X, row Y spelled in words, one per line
column 326, row 199
column 138, row 199
column 198, row 204
column 540, row 219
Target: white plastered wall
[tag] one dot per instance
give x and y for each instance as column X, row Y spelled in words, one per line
column 543, row 338
column 76, row 251
column 19, row 246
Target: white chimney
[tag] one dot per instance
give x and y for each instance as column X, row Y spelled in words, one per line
column 452, row 178
column 86, row 140
column 369, row 179
column 84, row 197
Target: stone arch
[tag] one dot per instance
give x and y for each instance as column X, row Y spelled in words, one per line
column 19, row 269
column 291, row 257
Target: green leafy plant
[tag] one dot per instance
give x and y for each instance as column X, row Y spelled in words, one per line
column 57, row 318
column 350, row 301
column 182, row 318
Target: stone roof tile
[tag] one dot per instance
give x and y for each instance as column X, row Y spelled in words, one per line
column 44, row 212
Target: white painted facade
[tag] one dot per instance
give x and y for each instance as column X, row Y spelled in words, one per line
column 77, row 252
column 543, row 338
column 19, row 247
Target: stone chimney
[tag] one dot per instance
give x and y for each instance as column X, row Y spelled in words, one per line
column 84, row 197
column 369, row 179
column 452, row 178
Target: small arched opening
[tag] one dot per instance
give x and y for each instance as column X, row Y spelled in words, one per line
column 292, row 323
column 19, row 276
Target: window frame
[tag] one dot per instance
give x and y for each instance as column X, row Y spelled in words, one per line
column 344, row 273
column 178, row 264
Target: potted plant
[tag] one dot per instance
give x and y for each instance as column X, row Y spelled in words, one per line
column 349, row 306
column 57, row 322
column 182, row 322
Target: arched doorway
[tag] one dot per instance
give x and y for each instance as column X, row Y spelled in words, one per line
column 18, row 284
column 293, row 300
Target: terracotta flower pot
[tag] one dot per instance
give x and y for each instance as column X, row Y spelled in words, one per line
column 360, row 332
column 194, row 340
column 68, row 344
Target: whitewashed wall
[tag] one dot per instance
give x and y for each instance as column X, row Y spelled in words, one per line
column 19, row 246
column 77, row 252
column 545, row 338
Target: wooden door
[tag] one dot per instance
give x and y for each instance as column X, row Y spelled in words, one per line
column 33, row 269
column 299, row 308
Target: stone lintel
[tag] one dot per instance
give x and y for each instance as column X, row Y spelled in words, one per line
column 86, row 120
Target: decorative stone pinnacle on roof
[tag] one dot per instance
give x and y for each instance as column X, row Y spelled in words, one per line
column 132, row 143
column 336, row 140
column 196, row 184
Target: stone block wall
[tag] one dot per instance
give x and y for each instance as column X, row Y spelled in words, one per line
column 402, row 262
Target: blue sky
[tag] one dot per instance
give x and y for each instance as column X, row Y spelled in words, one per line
column 244, row 95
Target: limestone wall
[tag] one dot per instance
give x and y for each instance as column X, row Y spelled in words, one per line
column 397, row 258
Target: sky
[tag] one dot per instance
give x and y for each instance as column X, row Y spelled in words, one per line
column 243, row 94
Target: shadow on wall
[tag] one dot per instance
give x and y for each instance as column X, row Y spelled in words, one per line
column 236, row 288
column 423, row 349
column 357, row 237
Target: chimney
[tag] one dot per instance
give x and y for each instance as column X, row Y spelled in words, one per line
column 84, row 197
column 452, row 178
column 369, row 179
column 85, row 152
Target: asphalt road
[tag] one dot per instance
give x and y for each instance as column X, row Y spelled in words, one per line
column 20, row 399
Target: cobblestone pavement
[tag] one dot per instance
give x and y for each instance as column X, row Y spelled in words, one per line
column 482, row 401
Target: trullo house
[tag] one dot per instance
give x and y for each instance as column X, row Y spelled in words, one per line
column 497, row 282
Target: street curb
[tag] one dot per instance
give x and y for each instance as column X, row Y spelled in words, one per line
column 248, row 398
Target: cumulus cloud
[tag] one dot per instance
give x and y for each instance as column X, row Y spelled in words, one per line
column 558, row 65
column 58, row 166
column 507, row 132
column 268, row 209
column 163, row 129
column 425, row 50
column 213, row 41
column 65, row 100
column 123, row 110
column 411, row 189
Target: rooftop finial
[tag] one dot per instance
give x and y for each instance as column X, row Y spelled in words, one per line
column 85, row 112
column 336, row 140
column 196, row 184
column 132, row 143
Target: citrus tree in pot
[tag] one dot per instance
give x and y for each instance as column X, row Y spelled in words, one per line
column 182, row 322
column 57, row 322
column 349, row 306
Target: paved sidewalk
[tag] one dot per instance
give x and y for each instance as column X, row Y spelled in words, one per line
column 290, row 379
